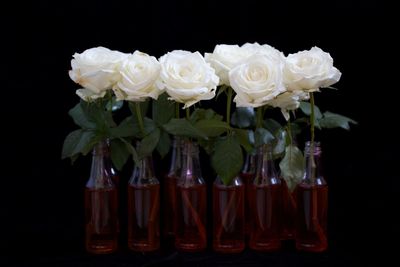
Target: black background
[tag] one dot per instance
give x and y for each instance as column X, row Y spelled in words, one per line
column 41, row 208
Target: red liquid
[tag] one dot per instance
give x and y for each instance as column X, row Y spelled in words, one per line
column 266, row 206
column 288, row 213
column 169, row 203
column 247, row 179
column 143, row 217
column 228, row 210
column 191, row 232
column 311, row 217
column 101, row 220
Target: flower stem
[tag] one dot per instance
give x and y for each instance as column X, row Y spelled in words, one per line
column 188, row 113
column 177, row 110
column 228, row 106
column 289, row 129
column 312, row 118
column 259, row 117
column 139, row 117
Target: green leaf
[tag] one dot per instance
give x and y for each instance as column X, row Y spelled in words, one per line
column 211, row 127
column 149, row 143
column 292, row 166
column 333, row 120
column 243, row 117
column 280, row 144
column 227, row 159
column 119, row 153
column 306, row 108
column 272, row 126
column 164, row 144
column 183, row 127
column 79, row 141
column 129, row 127
column 79, row 117
column 201, row 114
column 163, row 109
column 262, row 136
column 246, row 138
column 114, row 105
column 132, row 150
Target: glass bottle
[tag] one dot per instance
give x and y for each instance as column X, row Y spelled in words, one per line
column 312, row 204
column 247, row 175
column 143, row 208
column 190, row 234
column 101, row 205
column 170, row 183
column 288, row 212
column 228, row 211
column 266, row 204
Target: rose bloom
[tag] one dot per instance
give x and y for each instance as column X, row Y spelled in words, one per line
column 256, row 81
column 139, row 74
column 310, row 70
column 289, row 100
column 96, row 69
column 187, row 77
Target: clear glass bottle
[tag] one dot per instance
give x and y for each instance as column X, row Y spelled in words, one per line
column 144, row 208
column 228, row 220
column 101, row 204
column 191, row 234
column 170, row 183
column 247, row 175
column 266, row 204
column 312, row 204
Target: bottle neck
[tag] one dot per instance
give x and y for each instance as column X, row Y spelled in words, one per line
column 313, row 173
column 144, row 170
column 176, row 158
column 191, row 172
column 100, row 173
column 266, row 173
column 250, row 164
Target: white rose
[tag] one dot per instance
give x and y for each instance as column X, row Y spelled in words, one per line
column 187, row 77
column 256, row 81
column 224, row 58
column 139, row 78
column 88, row 95
column 96, row 69
column 310, row 70
column 289, row 101
column 273, row 53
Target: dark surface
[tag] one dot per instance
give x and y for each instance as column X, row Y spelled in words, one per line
column 41, row 201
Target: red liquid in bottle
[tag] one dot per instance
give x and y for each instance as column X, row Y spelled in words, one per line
column 169, row 209
column 247, row 179
column 143, row 217
column 101, row 220
column 191, row 232
column 228, row 210
column 265, row 232
column 311, row 219
column 288, row 213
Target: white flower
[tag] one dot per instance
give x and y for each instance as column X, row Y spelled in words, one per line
column 273, row 53
column 224, row 58
column 310, row 70
column 289, row 101
column 256, row 81
column 187, row 77
column 96, row 69
column 139, row 78
column 88, row 95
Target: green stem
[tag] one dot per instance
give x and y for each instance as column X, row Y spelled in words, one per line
column 259, row 117
column 177, row 111
column 289, row 127
column 312, row 118
column 139, row 117
column 228, row 106
column 188, row 113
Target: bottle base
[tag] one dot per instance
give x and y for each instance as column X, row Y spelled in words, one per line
column 190, row 247
column 143, row 247
column 311, row 247
column 264, row 247
column 101, row 248
column 229, row 247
